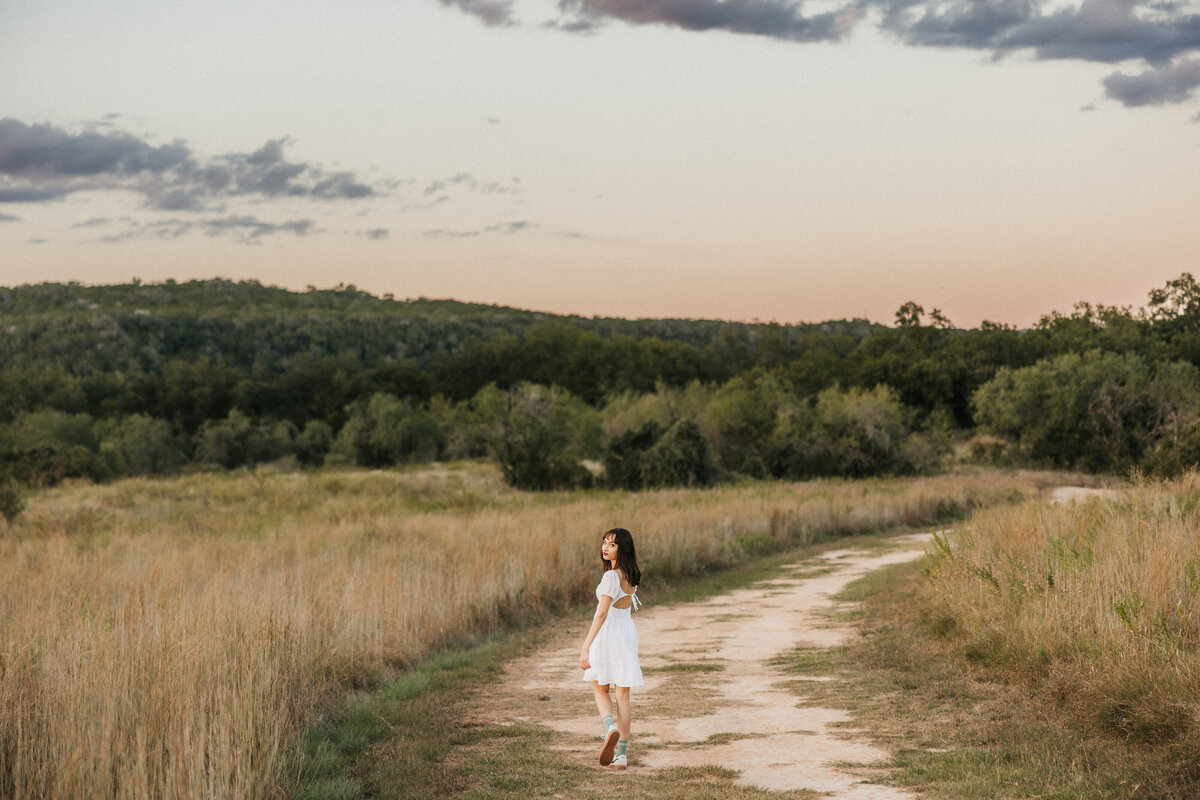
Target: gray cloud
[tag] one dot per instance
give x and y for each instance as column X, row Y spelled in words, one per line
column 377, row 233
column 8, row 218
column 1106, row 31
column 502, row 228
column 1171, row 83
column 468, row 181
column 29, row 194
column 244, row 229
column 43, row 162
column 44, row 152
column 780, row 19
column 1156, row 32
column 94, row 222
column 491, row 12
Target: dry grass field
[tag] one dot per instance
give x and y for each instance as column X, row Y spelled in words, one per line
column 1093, row 605
column 172, row 638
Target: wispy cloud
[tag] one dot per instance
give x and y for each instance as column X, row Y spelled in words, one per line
column 8, row 218
column 465, row 180
column 376, row 234
column 43, row 162
column 244, row 229
column 94, row 222
column 502, row 228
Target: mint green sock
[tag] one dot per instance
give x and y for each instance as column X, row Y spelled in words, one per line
column 621, row 745
column 607, row 723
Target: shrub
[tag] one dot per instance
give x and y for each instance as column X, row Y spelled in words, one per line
column 388, row 431
column 855, row 433
column 679, row 458
column 12, row 499
column 743, row 414
column 1096, row 411
column 239, row 441
column 651, row 457
column 313, row 443
column 139, row 445
column 624, row 455
column 540, row 435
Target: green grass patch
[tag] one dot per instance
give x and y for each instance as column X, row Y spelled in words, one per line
column 691, row 666
column 414, row 716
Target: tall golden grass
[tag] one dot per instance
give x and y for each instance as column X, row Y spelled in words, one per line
column 1097, row 603
column 172, row 638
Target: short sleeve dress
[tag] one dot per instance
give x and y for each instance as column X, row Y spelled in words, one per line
column 614, row 652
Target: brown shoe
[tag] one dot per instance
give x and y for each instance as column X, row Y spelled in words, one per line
column 610, row 745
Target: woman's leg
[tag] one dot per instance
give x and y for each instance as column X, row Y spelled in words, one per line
column 624, row 711
column 603, row 701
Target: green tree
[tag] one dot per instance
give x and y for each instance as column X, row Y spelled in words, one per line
column 679, row 458
column 313, row 443
column 742, row 416
column 853, row 433
column 625, row 453
column 241, row 441
column 1097, row 411
column 540, row 435
column 386, row 431
column 139, row 445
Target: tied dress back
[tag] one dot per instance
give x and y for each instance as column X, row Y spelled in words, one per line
column 614, row 652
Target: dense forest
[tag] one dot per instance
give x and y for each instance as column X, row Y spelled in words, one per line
column 109, row 381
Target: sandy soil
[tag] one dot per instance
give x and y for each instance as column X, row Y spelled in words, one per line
column 1068, row 494
column 709, row 675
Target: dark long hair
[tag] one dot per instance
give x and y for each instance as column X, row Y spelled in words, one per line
column 626, row 555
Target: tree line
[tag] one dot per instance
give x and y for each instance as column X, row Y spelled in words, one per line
column 104, row 382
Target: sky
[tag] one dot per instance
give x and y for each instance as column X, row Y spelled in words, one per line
column 732, row 159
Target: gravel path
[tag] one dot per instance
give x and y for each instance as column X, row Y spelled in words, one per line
column 709, row 674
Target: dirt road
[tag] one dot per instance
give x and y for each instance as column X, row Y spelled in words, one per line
column 712, row 695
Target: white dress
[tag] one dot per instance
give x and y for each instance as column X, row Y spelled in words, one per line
column 614, row 652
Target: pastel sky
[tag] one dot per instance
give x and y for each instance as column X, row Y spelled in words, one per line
column 737, row 159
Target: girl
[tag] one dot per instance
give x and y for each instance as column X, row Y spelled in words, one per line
column 610, row 651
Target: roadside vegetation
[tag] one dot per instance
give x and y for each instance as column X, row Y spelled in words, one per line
column 176, row 637
column 1039, row 651
column 1094, row 608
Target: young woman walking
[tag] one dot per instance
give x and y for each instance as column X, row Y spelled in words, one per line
column 610, row 651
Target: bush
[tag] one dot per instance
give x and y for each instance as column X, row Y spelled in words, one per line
column 680, row 458
column 540, row 435
column 743, row 414
column 313, row 443
column 852, row 434
column 12, row 500
column 387, row 431
column 44, row 447
column 624, row 455
column 651, row 457
column 992, row 451
column 1096, row 411
column 139, row 445
column 239, row 441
